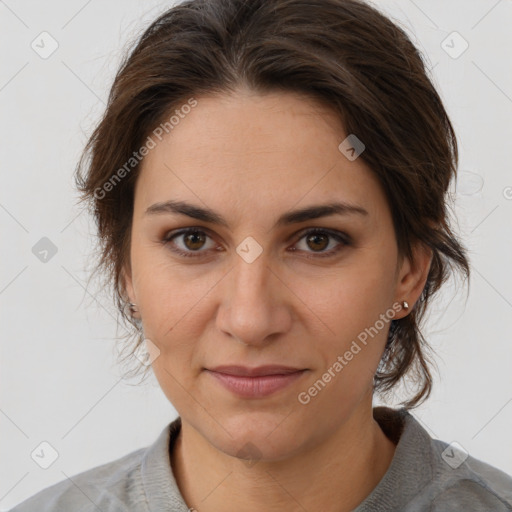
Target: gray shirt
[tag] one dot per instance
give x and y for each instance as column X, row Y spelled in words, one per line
column 425, row 474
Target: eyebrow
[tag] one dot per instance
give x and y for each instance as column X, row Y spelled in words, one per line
column 291, row 217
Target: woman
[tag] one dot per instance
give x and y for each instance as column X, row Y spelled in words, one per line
column 269, row 181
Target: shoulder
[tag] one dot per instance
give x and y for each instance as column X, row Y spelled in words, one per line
column 115, row 485
column 466, row 483
column 431, row 474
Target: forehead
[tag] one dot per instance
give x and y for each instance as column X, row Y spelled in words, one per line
column 255, row 151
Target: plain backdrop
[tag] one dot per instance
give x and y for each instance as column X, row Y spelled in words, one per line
column 59, row 380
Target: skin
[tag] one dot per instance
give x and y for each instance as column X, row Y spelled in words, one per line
column 251, row 158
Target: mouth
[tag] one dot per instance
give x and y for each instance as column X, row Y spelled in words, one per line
column 258, row 371
column 255, row 382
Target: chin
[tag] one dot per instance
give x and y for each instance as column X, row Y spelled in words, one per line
column 258, row 435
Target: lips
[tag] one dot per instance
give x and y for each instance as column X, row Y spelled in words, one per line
column 260, row 371
column 256, row 382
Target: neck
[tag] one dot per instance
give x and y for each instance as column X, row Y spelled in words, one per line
column 336, row 475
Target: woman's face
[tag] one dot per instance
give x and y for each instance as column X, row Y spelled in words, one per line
column 256, row 289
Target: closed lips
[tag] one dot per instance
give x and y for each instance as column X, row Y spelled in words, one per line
column 260, row 371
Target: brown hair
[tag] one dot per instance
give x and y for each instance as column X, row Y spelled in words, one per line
column 344, row 53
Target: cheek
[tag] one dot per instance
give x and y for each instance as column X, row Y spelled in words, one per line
column 351, row 342
column 162, row 288
column 349, row 305
column 350, row 297
column 174, row 306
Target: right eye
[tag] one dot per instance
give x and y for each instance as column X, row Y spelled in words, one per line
column 192, row 240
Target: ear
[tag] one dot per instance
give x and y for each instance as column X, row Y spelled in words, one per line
column 126, row 280
column 127, row 283
column 412, row 276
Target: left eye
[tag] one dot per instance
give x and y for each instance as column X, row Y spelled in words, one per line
column 320, row 237
column 193, row 240
column 194, row 237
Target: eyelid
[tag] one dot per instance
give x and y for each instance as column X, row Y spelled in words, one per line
column 168, row 237
column 341, row 237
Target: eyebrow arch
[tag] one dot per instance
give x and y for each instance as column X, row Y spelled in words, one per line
column 291, row 217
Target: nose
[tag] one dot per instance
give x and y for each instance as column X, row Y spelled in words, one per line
column 255, row 304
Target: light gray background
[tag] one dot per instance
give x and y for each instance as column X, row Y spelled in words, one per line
column 59, row 378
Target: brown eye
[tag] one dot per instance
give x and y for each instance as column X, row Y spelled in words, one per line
column 188, row 242
column 194, row 240
column 317, row 241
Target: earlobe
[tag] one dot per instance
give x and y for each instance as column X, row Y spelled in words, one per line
column 131, row 308
column 126, row 280
column 413, row 275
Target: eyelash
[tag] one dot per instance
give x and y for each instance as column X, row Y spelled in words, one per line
column 343, row 238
